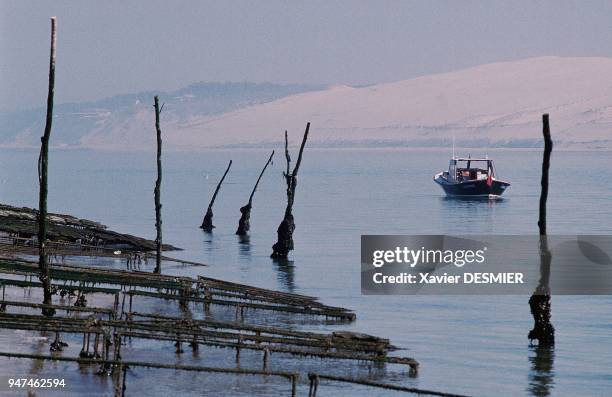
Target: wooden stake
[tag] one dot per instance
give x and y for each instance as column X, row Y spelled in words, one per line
column 548, row 146
column 123, row 382
column 207, row 224
column 266, row 358
column 244, row 223
column 285, row 230
column 42, row 177
column 157, row 191
column 540, row 302
column 294, row 385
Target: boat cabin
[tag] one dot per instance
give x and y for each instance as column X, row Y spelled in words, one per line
column 469, row 169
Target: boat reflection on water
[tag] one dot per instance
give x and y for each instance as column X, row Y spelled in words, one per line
column 461, row 202
column 459, row 215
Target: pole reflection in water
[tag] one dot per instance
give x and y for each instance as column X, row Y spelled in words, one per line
column 541, row 377
column 244, row 245
column 286, row 273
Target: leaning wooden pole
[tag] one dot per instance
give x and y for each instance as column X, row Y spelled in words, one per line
column 42, row 178
column 540, row 302
column 284, row 243
column 207, row 224
column 244, row 224
column 157, row 191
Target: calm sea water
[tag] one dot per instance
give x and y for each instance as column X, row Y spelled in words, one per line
column 471, row 345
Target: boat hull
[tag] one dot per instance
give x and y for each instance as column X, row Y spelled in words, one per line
column 479, row 188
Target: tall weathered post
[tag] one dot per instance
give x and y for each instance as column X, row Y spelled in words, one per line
column 207, row 224
column 548, row 147
column 284, row 242
column 43, row 161
column 244, row 223
column 157, row 191
column 539, row 302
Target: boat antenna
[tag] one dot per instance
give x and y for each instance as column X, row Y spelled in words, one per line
column 453, row 146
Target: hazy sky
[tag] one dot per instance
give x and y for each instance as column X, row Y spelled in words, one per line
column 111, row 47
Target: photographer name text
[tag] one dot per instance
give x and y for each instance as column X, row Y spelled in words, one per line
column 465, row 278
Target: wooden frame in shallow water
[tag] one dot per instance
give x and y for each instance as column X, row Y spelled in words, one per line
column 62, row 228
